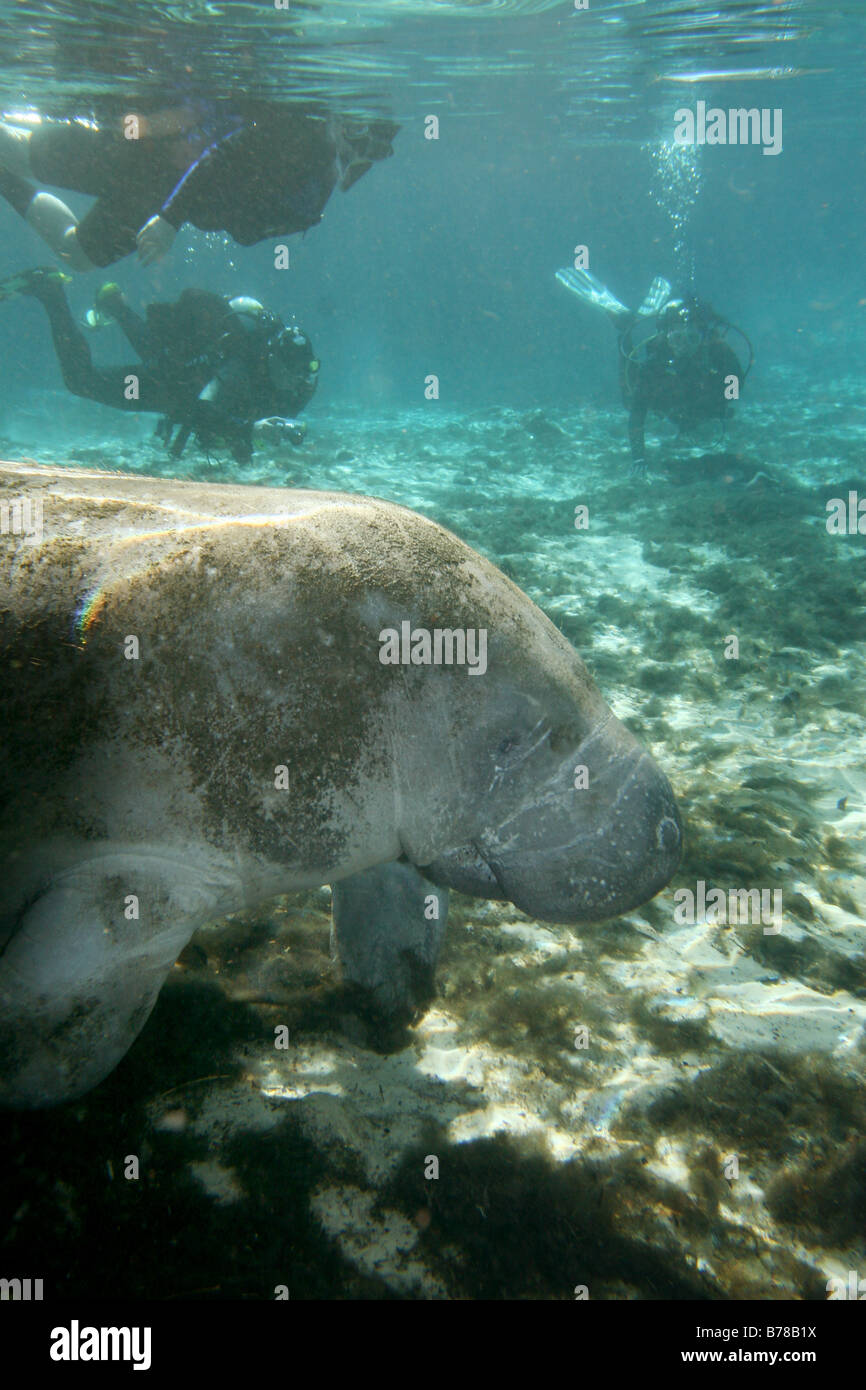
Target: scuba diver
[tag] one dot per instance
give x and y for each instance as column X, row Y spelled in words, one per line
column 217, row 368
column 674, row 356
column 256, row 171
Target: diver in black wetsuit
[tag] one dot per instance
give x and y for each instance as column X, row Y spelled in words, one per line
column 217, row 368
column 252, row 170
column 674, row 357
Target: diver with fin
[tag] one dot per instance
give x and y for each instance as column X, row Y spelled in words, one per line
column 252, row 169
column 220, row 369
column 674, row 356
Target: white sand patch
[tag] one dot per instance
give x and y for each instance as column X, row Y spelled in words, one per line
column 787, row 1016
column 219, row 1182
column 381, row 1245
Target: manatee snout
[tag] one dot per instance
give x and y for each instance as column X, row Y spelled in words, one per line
column 585, row 869
column 601, row 835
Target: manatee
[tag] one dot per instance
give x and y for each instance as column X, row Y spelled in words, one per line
column 198, row 716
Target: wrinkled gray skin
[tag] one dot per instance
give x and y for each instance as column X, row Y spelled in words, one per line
column 232, row 632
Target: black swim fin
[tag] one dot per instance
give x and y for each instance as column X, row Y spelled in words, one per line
column 32, row 281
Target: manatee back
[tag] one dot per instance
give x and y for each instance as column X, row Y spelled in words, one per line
column 179, row 641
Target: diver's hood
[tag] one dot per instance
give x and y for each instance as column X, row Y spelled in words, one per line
column 361, row 144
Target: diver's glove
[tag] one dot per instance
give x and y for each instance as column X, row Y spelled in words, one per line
column 279, row 430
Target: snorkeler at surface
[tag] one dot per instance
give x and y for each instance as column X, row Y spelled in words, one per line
column 264, row 170
column 674, row 357
column 217, row 368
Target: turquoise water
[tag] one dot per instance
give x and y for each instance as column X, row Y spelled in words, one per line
column 719, row 1100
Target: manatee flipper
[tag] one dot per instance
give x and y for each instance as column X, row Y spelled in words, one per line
column 389, row 922
column 78, row 982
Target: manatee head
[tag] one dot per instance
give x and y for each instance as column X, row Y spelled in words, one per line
column 597, row 834
column 533, row 790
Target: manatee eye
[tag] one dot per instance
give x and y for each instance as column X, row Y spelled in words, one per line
column 511, row 741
